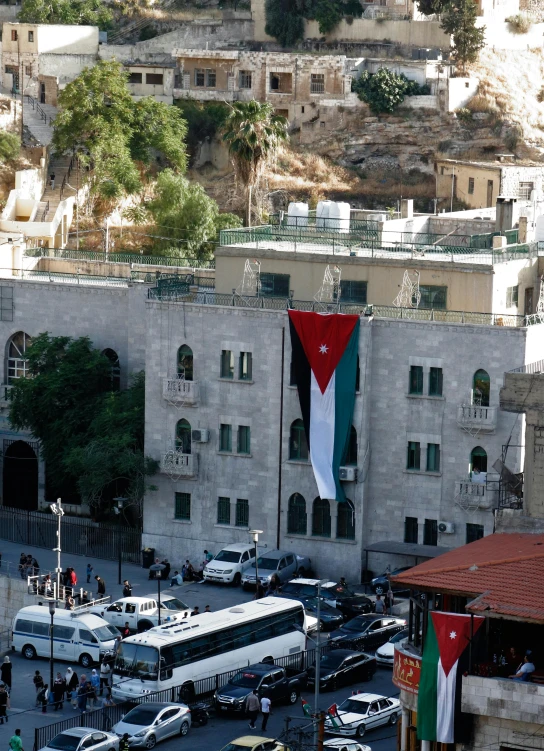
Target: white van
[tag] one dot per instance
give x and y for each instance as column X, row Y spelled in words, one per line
column 76, row 636
column 230, row 563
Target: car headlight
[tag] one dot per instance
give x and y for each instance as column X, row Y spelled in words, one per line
column 140, row 734
column 228, row 571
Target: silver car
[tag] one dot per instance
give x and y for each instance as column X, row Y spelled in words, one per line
column 151, row 722
column 83, row 739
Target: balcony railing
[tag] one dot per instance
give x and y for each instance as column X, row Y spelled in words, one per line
column 177, row 464
column 482, row 419
column 179, row 391
column 474, row 494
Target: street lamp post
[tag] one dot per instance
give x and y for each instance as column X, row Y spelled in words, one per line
column 255, row 537
column 320, row 584
column 118, row 510
column 52, row 605
column 157, row 569
column 56, row 509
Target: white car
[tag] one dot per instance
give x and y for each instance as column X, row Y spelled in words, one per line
column 341, row 744
column 385, row 655
column 77, row 739
column 364, row 712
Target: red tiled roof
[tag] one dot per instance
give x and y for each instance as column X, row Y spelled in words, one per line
column 505, row 569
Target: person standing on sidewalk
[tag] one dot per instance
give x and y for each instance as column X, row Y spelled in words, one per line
column 5, row 673
column 43, row 697
column 4, row 704
column 252, row 708
column 15, row 742
column 89, row 573
column 100, row 586
column 105, row 673
column 59, row 687
column 71, row 686
column 265, row 709
column 127, row 589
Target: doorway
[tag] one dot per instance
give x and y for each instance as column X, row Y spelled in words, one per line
column 20, row 476
column 42, row 93
column 528, row 309
column 489, row 193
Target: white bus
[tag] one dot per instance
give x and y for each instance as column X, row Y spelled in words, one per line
column 207, row 644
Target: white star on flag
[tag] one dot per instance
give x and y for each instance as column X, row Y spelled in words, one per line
column 453, row 634
column 323, row 349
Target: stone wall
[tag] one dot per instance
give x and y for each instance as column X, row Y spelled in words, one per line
column 13, row 596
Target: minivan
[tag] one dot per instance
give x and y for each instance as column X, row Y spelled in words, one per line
column 229, row 564
column 279, row 562
column 84, row 637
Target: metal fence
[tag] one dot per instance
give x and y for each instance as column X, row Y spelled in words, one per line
column 78, row 537
column 127, row 257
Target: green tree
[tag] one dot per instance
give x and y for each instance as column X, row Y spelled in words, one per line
column 459, row 20
column 385, row 90
column 157, row 126
column 253, row 133
column 284, row 21
column 77, row 12
column 10, row 146
column 431, row 7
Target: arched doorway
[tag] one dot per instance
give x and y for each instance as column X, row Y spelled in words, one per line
column 20, row 477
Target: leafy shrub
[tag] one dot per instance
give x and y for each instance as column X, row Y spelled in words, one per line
column 385, row 90
column 284, row 22
column 10, row 145
column 204, row 120
column 464, row 114
column 520, row 23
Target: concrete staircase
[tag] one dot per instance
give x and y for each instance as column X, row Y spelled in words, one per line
column 37, row 118
column 60, row 166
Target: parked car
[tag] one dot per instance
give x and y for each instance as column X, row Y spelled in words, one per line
column 229, row 564
column 336, row 595
column 141, row 613
column 279, row 684
column 368, row 631
column 342, row 667
column 170, row 602
column 341, row 744
column 279, row 562
column 77, row 739
column 385, row 655
column 381, row 584
column 364, row 712
column 330, row 617
column 151, row 722
column 255, row 743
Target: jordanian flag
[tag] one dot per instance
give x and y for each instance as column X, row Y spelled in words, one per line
column 445, row 659
column 324, row 351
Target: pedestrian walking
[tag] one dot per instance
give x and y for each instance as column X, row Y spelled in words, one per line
column 71, row 686
column 52, row 181
column 73, row 579
column 127, row 589
column 43, row 697
column 379, row 605
column 59, row 689
column 265, row 709
column 5, row 673
column 89, row 572
column 100, row 586
column 389, row 601
column 124, row 745
column 252, row 708
column 82, row 694
column 4, row 704
column 95, row 683
column 15, row 742
column 38, row 682
column 105, row 673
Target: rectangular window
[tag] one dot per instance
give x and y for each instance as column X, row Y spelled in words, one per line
column 317, row 83
column 154, row 78
column 244, row 439
column 183, row 506
column 410, row 529
column 30, row 36
column 470, row 186
column 200, row 77
column 227, row 364
column 6, row 303
column 245, row 79
column 433, row 297
column 246, row 366
column 28, row 70
column 512, row 296
column 414, row 453
column 211, row 78
column 474, row 532
column 225, row 438
column 416, row 379
column 14, row 35
column 274, row 285
column 223, row 510
column 135, row 78
column 435, row 382
column 430, row 532
column 242, row 512
column 352, row 291
column 525, row 190
column 433, row 457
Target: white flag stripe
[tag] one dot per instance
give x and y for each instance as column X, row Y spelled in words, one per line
column 322, row 419
column 445, row 703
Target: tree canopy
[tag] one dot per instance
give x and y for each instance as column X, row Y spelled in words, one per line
column 385, row 90
column 285, row 18
column 77, row 12
column 459, row 19
column 10, row 146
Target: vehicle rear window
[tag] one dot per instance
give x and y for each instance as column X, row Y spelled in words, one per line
column 65, row 742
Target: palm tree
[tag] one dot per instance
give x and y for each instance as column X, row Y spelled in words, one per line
column 253, row 133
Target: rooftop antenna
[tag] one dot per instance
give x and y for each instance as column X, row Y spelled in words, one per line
column 251, row 279
column 409, row 295
column 329, row 292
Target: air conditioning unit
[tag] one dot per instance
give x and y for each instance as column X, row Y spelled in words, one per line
column 348, row 474
column 446, row 528
column 200, row 436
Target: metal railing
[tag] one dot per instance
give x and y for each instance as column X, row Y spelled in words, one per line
column 45, row 212
column 533, row 368
column 122, row 257
column 35, row 106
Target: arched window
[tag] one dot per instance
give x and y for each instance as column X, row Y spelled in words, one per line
column 351, row 456
column 321, row 518
column 345, row 523
column 185, row 362
column 478, row 460
column 296, row 518
column 115, row 373
column 480, row 388
column 16, row 351
column 298, row 445
column 183, row 436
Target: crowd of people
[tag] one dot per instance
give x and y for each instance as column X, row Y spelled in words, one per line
column 28, row 566
column 84, row 693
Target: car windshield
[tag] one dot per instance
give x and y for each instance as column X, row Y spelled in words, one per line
column 268, row 564
column 356, row 625
column 135, row 660
column 140, row 716
column 330, row 662
column 65, row 742
column 227, row 556
column 350, row 705
column 105, row 633
column 245, row 680
column 399, row 637
column 339, row 593
column 174, row 604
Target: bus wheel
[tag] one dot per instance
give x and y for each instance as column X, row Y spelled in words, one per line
column 268, row 659
column 29, row 652
column 187, row 693
column 85, row 660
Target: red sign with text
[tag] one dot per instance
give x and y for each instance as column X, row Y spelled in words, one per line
column 406, row 671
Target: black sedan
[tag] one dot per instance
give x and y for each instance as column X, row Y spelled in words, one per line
column 342, row 667
column 381, row 584
column 330, row 617
column 336, row 595
column 367, row 631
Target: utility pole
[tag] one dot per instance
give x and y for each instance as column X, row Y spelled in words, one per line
column 321, row 731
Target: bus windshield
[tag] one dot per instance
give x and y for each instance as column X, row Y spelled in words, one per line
column 135, row 660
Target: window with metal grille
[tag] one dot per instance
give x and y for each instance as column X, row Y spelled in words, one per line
column 297, row 519
column 470, row 186
column 135, row 78
column 211, row 78
column 30, row 36
column 242, row 512
column 353, row 291
column 154, row 78
column 274, row 285
column 245, row 79
column 200, row 77
column 28, row 70
column 225, row 438
column 14, row 35
column 317, row 83
column 244, row 439
column 433, row 296
column 435, row 382
column 245, row 370
column 17, row 364
column 430, row 532
column 525, row 190
column 223, row 510
column 410, row 529
column 183, row 506
column 433, row 457
column 6, row 303
column 416, row 379
column 298, row 445
column 227, row 364
column 414, row 452
column 321, row 518
column 474, row 532
column 345, row 521
column 512, row 296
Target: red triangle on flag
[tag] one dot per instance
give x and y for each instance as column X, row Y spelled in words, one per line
column 453, row 632
column 324, row 337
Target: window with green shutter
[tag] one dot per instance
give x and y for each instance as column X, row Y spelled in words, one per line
column 225, row 438
column 227, row 364
column 274, row 285
column 416, row 379
column 413, row 461
column 183, row 506
column 242, row 512
column 244, row 439
column 353, row 291
column 433, row 457
column 435, row 382
column 433, row 297
column 223, row 510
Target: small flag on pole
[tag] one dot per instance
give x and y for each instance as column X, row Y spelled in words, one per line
column 306, row 708
column 332, row 712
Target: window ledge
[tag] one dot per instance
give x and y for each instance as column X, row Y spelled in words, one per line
column 339, row 540
column 182, row 521
column 223, row 526
column 422, row 472
column 426, row 396
column 233, row 453
column 236, row 380
column 304, row 462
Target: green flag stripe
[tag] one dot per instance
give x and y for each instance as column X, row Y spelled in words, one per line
column 345, row 378
column 427, row 694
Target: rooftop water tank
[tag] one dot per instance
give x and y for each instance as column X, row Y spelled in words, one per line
column 297, row 214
